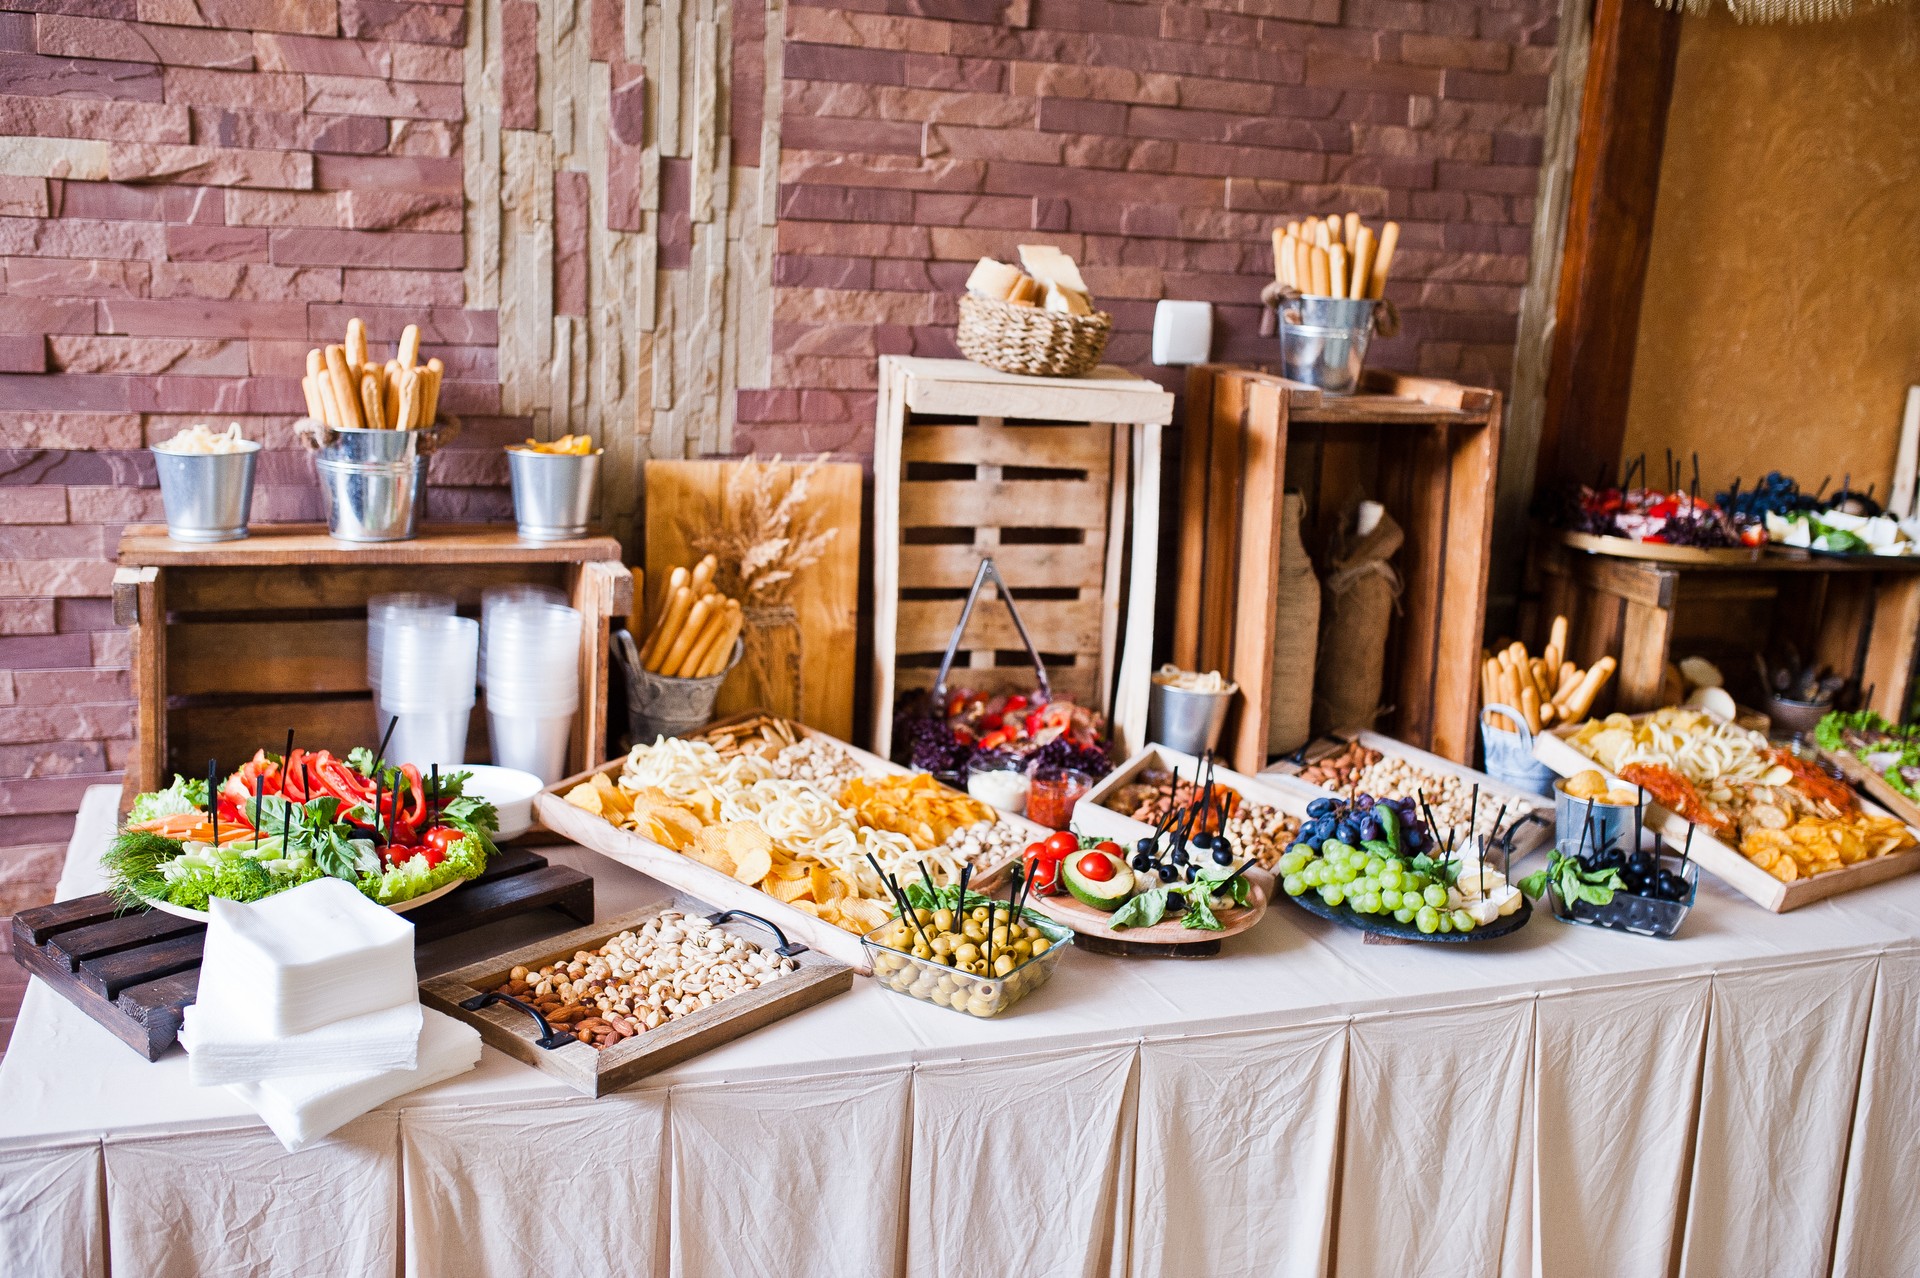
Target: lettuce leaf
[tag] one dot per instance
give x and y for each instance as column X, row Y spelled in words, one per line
column 181, row 797
column 414, row 877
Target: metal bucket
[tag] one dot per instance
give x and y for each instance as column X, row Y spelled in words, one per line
column 1510, row 754
column 552, row 492
column 1323, row 341
column 1187, row 721
column 208, row 496
column 661, row 706
column 374, row 502
column 363, row 446
column 1613, row 823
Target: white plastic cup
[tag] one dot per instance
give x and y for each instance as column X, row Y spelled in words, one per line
column 426, row 737
column 381, row 610
column 496, row 601
column 429, row 664
column 531, row 743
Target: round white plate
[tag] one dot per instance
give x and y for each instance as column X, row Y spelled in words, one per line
column 509, row 790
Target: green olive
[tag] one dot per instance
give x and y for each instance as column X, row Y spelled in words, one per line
column 980, row 1007
column 1041, row 945
column 1002, row 964
column 920, row 950
column 966, row 953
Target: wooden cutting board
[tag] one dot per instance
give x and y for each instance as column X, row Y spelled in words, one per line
column 817, row 689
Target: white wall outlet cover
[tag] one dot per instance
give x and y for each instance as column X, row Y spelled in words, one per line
column 1182, row 332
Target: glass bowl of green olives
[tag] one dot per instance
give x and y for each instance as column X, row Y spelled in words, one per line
column 973, row 962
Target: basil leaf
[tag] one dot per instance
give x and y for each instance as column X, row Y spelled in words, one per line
column 1533, row 885
column 1200, row 913
column 1144, row 910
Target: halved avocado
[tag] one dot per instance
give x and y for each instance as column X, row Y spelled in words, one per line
column 1109, row 893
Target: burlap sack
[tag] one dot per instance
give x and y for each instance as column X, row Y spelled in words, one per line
column 1362, row 594
column 1296, row 634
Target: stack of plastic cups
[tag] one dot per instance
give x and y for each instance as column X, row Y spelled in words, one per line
column 381, row 611
column 427, row 686
column 493, row 596
column 533, row 685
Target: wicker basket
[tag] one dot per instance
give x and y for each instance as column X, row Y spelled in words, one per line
column 1030, row 340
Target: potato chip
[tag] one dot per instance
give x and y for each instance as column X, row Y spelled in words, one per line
column 709, row 848
column 825, row 886
column 587, row 798
column 788, row 890
column 754, row 865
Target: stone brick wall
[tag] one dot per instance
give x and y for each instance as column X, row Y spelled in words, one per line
column 576, row 200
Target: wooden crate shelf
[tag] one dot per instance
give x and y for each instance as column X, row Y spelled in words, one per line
column 235, row 642
column 1057, row 479
column 1423, row 448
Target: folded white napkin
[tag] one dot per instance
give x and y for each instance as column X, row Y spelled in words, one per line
column 308, row 957
column 303, row 1110
column 226, row 1043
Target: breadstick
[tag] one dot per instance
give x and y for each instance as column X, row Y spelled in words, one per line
column 1337, row 270
column 356, row 343
column 1530, row 707
column 1280, row 254
column 406, row 413
column 316, row 362
column 683, row 642
column 1581, row 701
column 1350, row 231
column 390, row 394
column 312, row 393
column 346, row 396
column 1363, row 249
column 1550, row 659
column 1322, row 271
column 1490, row 691
column 1569, row 680
column 1557, row 637
column 409, row 346
column 1302, row 265
column 703, row 575
column 1383, row 259
column 1510, row 686
column 430, row 401
column 370, row 401
column 698, row 651
column 679, row 603
column 723, row 651
column 323, row 391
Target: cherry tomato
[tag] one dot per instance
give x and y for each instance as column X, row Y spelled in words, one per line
column 1062, row 843
column 1109, row 847
column 441, row 837
column 1095, row 866
column 1016, row 703
column 993, row 740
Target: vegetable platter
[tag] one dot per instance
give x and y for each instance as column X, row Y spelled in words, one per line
column 1881, row 758
column 1179, row 885
column 760, row 814
column 604, row 1031
column 1775, row 828
column 279, row 821
column 1460, row 797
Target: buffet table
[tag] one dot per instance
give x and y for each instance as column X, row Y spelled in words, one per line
column 1565, row 1101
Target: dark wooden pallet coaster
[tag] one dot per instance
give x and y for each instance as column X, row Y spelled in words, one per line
column 134, row 972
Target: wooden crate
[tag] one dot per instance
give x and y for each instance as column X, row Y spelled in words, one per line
column 1042, row 474
column 1424, row 449
column 599, row 1072
column 1858, row 616
column 818, row 667
column 134, row 973
column 235, row 642
column 1724, row 861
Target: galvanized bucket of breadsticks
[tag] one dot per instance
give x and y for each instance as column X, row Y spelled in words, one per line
column 1510, row 753
column 1323, row 340
column 661, row 705
column 373, row 482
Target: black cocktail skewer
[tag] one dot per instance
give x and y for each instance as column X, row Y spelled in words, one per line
column 378, row 794
column 213, row 797
column 1639, row 806
column 380, row 755
column 433, row 809
column 256, row 814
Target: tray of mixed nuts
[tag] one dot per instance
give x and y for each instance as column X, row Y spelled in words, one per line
column 607, row 1005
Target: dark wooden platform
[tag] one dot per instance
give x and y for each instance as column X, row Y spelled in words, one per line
column 134, row 972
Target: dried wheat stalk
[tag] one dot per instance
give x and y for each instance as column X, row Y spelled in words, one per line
column 755, row 535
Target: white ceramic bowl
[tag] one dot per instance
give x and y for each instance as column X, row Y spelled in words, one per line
column 509, row 790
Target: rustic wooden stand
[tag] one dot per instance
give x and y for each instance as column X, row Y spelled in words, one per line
column 1039, row 473
column 135, row 972
column 1424, row 449
column 1859, row 616
column 235, row 642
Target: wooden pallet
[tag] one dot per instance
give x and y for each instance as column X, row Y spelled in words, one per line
column 1425, row 449
column 1044, row 475
column 597, row 1072
column 235, row 642
column 133, row 973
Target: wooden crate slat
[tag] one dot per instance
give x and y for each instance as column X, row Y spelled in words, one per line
column 990, row 442
column 108, row 974
column 278, row 657
column 300, row 586
column 35, row 927
column 1077, row 567
column 1006, row 503
column 97, row 940
column 1080, row 681
column 297, row 545
column 1057, row 625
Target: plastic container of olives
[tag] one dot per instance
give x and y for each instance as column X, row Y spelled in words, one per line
column 934, row 982
column 1645, row 915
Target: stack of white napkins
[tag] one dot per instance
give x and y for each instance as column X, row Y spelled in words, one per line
column 309, row 1009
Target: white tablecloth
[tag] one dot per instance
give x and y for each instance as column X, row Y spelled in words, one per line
column 1566, row 1101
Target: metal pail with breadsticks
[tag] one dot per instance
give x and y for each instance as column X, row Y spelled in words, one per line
column 664, row 705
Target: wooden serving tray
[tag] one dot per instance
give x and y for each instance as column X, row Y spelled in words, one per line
column 676, row 869
column 1860, row 775
column 1724, row 861
column 597, row 1072
column 1531, row 836
column 1659, row 552
column 1165, row 938
column 133, row 973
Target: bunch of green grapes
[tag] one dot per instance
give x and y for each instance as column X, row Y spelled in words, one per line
column 1368, row 883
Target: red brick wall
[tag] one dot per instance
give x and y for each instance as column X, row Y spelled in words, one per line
column 213, row 188
column 1158, row 143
